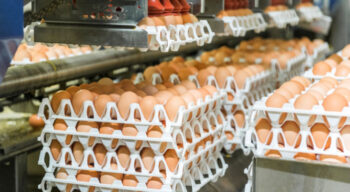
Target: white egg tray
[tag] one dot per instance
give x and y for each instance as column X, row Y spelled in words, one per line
column 309, row 14
column 205, row 171
column 172, row 37
column 281, row 19
column 318, row 55
column 295, row 67
column 238, row 26
column 278, row 116
column 308, row 74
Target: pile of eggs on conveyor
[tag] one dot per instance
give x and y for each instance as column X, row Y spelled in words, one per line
column 40, row 52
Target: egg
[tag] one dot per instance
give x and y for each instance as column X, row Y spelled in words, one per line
column 180, row 89
column 345, row 135
column 62, row 174
column 79, row 98
column 160, row 87
column 165, row 72
column 346, row 51
column 329, row 80
column 101, row 103
column 293, row 86
column 334, row 102
column 108, row 129
column 123, row 155
column 203, row 77
column 184, row 73
column 333, row 158
column 306, row 101
column 320, row 133
column 150, row 89
column 147, row 157
column 130, row 181
column 154, row 183
column 291, row 132
column 321, row 88
column 211, row 89
column 126, row 99
column 57, row 98
column 72, row 90
column 109, row 178
column 285, row 93
column 321, row 68
column 86, row 126
column 86, row 175
column 221, row 75
column 240, row 77
column 229, row 135
column 171, row 159
column 305, row 156
column 106, row 81
column 147, row 106
column 55, row 148
column 173, row 105
column 276, row 101
column 163, row 96
column 78, row 152
column 36, row 122
column 188, row 84
column 146, row 21
column 168, row 84
column 239, row 118
column 263, row 130
column 304, row 81
column 273, row 154
column 344, row 92
column 342, row 71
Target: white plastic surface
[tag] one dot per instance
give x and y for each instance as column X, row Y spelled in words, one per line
column 280, row 19
column 239, row 25
column 318, row 55
column 309, row 14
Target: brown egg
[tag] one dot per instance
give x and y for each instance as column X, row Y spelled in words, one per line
column 86, row 175
column 36, row 122
column 306, row 101
column 319, row 133
column 101, row 103
column 168, row 84
column 211, row 89
column 147, row 106
column 221, row 75
column 239, row 118
column 229, row 135
column 57, row 98
column 321, row 68
column 154, row 183
column 62, row 174
column 163, row 96
column 126, row 99
column 166, row 71
column 79, row 98
column 293, row 86
column 123, row 154
column 109, row 178
column 130, row 181
column 173, row 105
column 344, row 92
column 78, row 152
column 342, row 71
column 333, row 158
column 240, row 77
column 146, row 21
column 263, row 129
column 335, row 57
column 212, row 69
column 147, row 157
column 329, row 80
column 276, row 100
column 331, row 63
column 203, row 76
column 55, row 149
column 302, row 80
column 346, row 51
column 305, row 156
column 161, row 87
column 286, row 93
column 105, row 81
column 100, row 153
column 72, row 90
column 108, row 129
column 231, row 69
column 189, row 98
column 171, row 159
column 273, row 153
column 321, row 88
column 334, row 102
column 291, row 131
column 188, row 84
column 150, row 89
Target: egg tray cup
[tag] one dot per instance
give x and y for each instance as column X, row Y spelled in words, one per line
column 289, row 113
column 207, row 170
column 295, row 67
column 280, row 19
column 318, row 55
column 309, row 74
column 238, row 26
column 309, row 14
column 172, row 37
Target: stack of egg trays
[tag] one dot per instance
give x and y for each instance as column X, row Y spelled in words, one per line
column 255, row 88
column 309, row 14
column 281, row 19
column 172, row 37
column 195, row 171
column 318, row 55
column 277, row 117
column 295, row 67
column 238, row 26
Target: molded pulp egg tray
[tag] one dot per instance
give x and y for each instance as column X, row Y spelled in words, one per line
column 239, row 25
column 304, row 142
column 196, row 134
column 165, row 38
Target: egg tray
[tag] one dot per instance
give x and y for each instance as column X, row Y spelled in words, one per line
column 184, row 137
column 309, row 74
column 318, row 55
column 309, row 14
column 281, row 19
column 172, row 37
column 289, row 113
column 295, row 67
column 197, row 168
column 238, row 26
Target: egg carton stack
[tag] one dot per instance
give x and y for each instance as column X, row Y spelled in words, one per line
column 185, row 154
column 281, row 19
column 238, row 26
column 29, row 54
column 172, row 37
column 303, row 127
column 309, row 13
column 317, row 55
